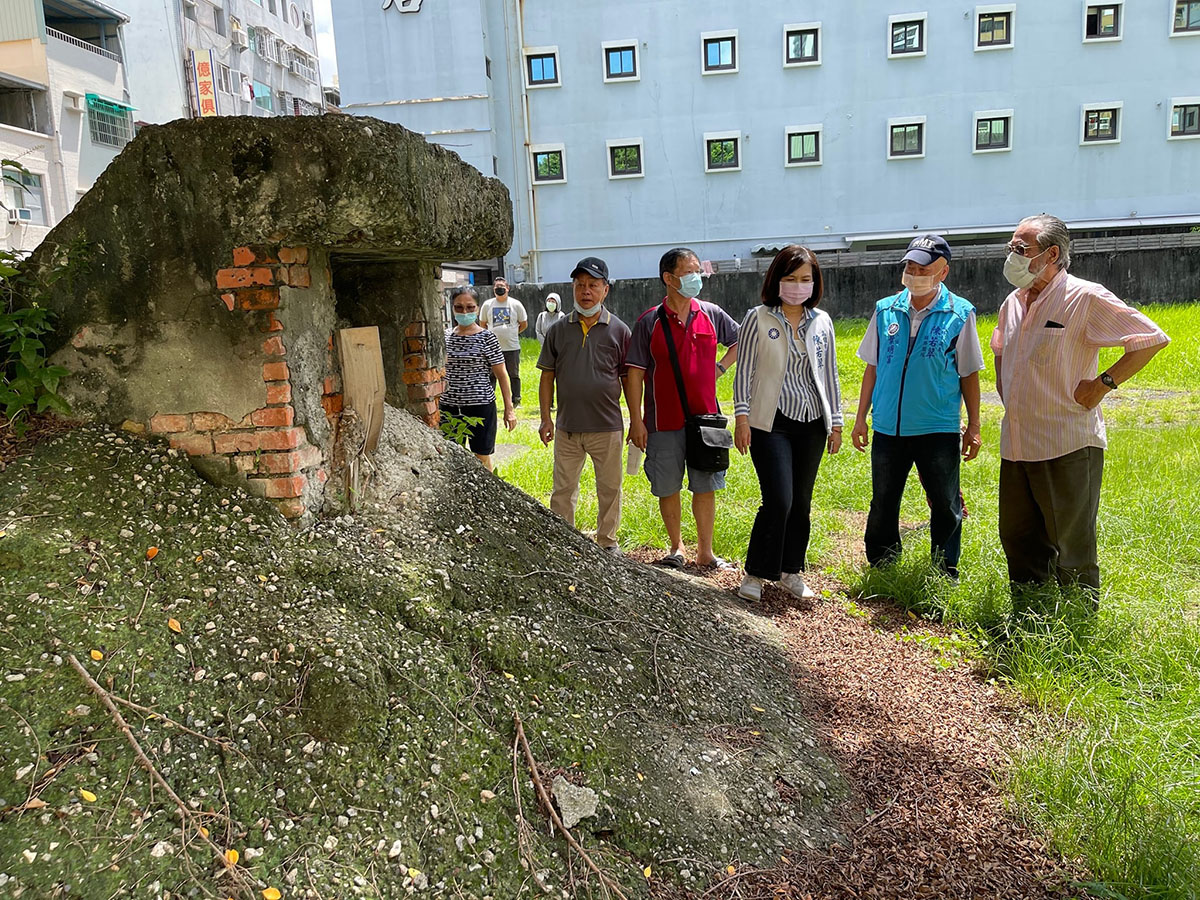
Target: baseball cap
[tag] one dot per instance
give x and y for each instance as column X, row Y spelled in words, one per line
column 926, row 249
column 593, row 266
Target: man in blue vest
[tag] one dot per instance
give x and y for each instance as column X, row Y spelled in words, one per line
column 923, row 361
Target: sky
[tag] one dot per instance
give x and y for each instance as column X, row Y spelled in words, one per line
column 325, row 49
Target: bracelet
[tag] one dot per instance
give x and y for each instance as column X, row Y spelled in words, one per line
column 722, row 368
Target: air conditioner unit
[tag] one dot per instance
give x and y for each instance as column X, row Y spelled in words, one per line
column 20, row 216
column 238, row 38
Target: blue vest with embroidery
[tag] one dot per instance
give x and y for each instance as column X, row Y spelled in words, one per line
column 917, row 390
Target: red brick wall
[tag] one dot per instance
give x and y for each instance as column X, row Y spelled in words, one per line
column 423, row 381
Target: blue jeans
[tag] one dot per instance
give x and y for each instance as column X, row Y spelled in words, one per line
column 786, row 459
column 937, row 458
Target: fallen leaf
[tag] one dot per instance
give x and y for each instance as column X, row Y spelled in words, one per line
column 231, row 857
column 646, row 872
column 34, row 803
column 509, row 675
column 174, row 625
column 271, row 894
column 413, row 873
column 730, row 869
column 199, row 559
column 87, row 795
column 571, row 588
column 203, row 831
column 97, row 655
column 262, row 578
column 151, row 553
column 758, row 709
column 641, row 777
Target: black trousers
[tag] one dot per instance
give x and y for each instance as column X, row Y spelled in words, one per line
column 786, row 459
column 512, row 365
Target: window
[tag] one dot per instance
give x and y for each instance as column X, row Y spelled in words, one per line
column 189, row 9
column 993, row 130
column 541, row 67
column 802, row 44
column 271, row 5
column 1185, row 118
column 549, row 163
column 224, row 79
column 621, row 61
column 906, row 35
column 718, row 52
column 994, row 27
column 262, row 96
column 1187, row 17
column 802, row 146
column 496, row 166
column 625, row 158
column 109, row 122
column 487, row 67
column 1101, row 123
column 906, row 138
column 23, row 190
column 723, row 151
column 308, row 25
column 219, row 20
column 1102, row 21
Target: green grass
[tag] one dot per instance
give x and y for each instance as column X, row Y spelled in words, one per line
column 1115, row 778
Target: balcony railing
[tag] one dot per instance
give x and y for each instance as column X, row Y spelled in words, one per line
column 82, row 44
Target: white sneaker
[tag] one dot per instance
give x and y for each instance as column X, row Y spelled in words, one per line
column 794, row 585
column 751, row 588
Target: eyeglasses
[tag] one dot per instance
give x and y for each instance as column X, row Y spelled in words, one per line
column 1022, row 249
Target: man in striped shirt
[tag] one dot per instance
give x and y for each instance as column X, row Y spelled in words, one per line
column 1052, row 438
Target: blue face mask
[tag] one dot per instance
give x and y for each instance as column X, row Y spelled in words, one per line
column 691, row 284
column 466, row 320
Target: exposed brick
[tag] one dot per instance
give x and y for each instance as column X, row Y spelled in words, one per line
column 244, row 463
column 167, row 424
column 275, row 371
column 309, row 456
column 426, row 391
column 253, row 441
column 332, row 404
column 426, row 409
column 244, row 277
column 415, row 345
column 421, row 376
column 242, row 256
column 278, row 463
column 279, row 392
column 210, row 421
column 287, row 439
column 291, row 509
column 289, row 255
column 192, row 444
column 416, row 329
column 296, row 276
column 415, row 361
column 259, row 298
column 329, row 385
column 273, row 346
column 272, row 324
column 257, row 486
column 322, row 476
column 329, row 345
column 286, row 486
column 229, row 300
column 273, row 417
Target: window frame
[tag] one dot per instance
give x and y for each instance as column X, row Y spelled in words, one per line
column 991, row 114
column 1181, row 102
column 632, row 44
column 615, row 143
column 1187, row 32
column 791, row 131
column 788, row 30
column 908, row 19
column 736, row 137
column 527, row 55
column 705, row 37
column 122, row 133
column 994, row 9
column 19, row 193
column 1120, row 35
column 255, row 96
column 535, row 150
column 224, row 73
column 897, row 121
column 1117, row 105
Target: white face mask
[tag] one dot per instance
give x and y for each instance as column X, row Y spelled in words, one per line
column 588, row 312
column 1016, row 270
column 920, row 285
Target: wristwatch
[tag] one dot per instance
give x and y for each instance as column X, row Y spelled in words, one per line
column 722, row 368
column 1107, row 381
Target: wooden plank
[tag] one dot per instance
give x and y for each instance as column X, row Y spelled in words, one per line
column 363, row 384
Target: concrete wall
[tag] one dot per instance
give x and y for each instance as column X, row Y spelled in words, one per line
column 1146, row 276
column 1045, row 78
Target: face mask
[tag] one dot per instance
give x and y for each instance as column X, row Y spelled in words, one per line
column 1016, row 270
column 551, row 306
column 466, row 320
column 690, row 285
column 586, row 313
column 795, row 293
column 500, row 292
column 919, row 285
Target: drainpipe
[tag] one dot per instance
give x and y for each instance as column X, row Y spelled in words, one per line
column 535, row 262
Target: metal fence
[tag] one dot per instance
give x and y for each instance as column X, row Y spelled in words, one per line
column 82, row 44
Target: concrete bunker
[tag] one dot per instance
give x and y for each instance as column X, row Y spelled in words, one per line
column 219, row 257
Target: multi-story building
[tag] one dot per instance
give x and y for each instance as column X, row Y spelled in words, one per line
column 65, row 110
column 222, row 57
column 624, row 127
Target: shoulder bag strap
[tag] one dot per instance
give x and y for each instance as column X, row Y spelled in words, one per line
column 670, row 338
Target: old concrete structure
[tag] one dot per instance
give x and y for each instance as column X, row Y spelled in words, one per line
column 221, row 257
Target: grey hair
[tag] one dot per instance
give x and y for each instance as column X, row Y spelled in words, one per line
column 1052, row 232
column 464, row 289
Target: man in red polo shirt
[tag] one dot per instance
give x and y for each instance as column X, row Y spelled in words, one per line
column 698, row 327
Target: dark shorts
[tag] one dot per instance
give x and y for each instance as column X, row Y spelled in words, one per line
column 482, row 437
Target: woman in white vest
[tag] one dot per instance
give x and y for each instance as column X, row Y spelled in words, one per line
column 788, row 408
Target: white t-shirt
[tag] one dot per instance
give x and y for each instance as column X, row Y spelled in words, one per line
column 504, row 320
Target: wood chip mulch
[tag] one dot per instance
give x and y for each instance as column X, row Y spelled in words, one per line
column 923, row 749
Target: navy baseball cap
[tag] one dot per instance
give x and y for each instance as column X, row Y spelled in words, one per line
column 926, row 249
column 592, row 265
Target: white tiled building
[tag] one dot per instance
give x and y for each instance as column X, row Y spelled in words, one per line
column 65, row 110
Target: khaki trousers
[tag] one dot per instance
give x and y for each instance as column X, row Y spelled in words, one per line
column 571, row 450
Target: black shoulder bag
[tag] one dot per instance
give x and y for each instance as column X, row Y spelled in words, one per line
column 707, row 435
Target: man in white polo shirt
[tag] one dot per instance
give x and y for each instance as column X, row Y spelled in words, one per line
column 1052, row 438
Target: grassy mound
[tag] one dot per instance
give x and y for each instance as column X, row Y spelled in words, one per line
column 347, row 694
